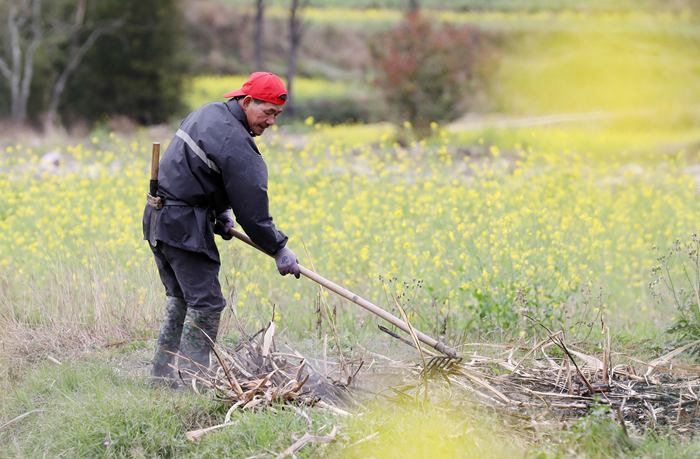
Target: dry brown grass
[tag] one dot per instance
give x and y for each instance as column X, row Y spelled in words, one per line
column 23, row 346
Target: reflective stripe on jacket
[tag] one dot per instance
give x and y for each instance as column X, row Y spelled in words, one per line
column 212, row 164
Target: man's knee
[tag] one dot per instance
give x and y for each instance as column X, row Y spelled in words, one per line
column 204, row 296
column 207, row 302
column 198, row 277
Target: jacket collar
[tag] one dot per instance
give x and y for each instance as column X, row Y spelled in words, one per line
column 239, row 114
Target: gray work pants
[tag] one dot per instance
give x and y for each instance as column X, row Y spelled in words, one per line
column 192, row 276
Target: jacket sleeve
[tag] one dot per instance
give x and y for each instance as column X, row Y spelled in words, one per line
column 245, row 178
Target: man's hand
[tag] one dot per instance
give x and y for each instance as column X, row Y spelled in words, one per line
column 287, row 262
column 223, row 224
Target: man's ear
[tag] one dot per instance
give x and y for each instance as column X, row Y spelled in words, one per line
column 245, row 102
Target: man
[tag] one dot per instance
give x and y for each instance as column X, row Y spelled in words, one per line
column 211, row 167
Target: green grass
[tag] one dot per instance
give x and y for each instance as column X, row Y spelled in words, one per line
column 431, row 430
column 96, row 407
column 599, row 436
column 91, row 409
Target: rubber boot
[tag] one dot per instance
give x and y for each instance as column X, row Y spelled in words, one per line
column 168, row 342
column 195, row 345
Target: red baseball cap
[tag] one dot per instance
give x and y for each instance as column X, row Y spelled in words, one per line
column 264, row 86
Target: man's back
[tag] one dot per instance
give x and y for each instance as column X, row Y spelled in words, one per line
column 212, row 164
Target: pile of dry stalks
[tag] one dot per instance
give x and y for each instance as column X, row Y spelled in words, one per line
column 555, row 379
column 256, row 374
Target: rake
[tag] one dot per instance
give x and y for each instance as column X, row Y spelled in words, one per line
column 358, row 300
column 332, row 286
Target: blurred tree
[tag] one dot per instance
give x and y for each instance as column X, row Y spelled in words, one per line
column 47, row 38
column 137, row 72
column 22, row 37
column 259, row 34
column 77, row 37
column 295, row 36
column 425, row 72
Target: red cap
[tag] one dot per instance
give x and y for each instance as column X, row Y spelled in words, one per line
column 264, row 86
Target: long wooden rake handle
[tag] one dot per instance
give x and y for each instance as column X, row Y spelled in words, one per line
column 347, row 294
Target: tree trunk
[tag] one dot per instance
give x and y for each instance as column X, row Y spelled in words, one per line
column 19, row 75
column 16, row 51
column 295, row 32
column 76, row 54
column 74, row 59
column 259, row 35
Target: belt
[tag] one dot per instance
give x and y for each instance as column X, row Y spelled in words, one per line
column 175, row 202
column 157, row 203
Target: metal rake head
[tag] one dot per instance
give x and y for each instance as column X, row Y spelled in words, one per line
column 441, row 364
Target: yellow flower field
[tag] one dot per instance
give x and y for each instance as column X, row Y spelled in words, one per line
column 471, row 241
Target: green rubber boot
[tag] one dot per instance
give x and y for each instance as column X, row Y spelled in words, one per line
column 194, row 345
column 168, row 342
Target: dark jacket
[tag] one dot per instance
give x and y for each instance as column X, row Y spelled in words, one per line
column 212, row 164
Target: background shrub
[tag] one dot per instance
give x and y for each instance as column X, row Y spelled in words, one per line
column 425, row 72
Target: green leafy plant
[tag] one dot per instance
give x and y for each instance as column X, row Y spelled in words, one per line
column 677, row 280
column 600, row 435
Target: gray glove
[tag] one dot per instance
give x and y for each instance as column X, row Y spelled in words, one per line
column 223, row 224
column 287, row 262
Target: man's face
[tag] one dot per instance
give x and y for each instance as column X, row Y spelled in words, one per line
column 261, row 115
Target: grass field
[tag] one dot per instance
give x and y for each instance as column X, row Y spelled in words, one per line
column 494, row 5
column 553, row 18
column 474, row 230
column 471, row 229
